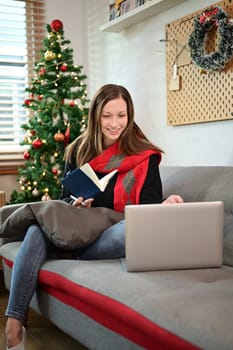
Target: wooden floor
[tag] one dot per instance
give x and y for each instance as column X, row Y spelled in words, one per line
column 41, row 334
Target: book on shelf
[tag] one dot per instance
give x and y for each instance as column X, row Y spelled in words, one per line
column 83, row 182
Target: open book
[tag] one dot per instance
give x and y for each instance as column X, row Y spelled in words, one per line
column 84, row 182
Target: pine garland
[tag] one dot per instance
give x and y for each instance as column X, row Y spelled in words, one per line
column 213, row 17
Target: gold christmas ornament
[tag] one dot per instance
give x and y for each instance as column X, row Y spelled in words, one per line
column 50, row 35
column 35, row 192
column 83, row 128
column 49, row 55
column 22, row 179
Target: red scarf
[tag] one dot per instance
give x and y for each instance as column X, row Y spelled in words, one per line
column 131, row 175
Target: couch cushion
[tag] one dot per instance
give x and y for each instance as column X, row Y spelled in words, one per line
column 204, row 183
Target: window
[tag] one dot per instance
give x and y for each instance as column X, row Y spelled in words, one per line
column 22, row 29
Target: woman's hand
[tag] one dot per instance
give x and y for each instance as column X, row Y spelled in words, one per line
column 81, row 203
column 173, row 198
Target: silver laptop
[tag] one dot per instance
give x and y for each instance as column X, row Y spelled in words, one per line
column 174, row 236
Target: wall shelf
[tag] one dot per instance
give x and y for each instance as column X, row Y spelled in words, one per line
column 139, row 14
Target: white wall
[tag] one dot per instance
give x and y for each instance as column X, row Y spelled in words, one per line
column 136, row 58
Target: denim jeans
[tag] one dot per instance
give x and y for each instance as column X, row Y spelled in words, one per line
column 31, row 255
column 35, row 249
column 109, row 245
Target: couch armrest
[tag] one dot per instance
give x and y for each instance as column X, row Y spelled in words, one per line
column 5, row 211
column 2, row 198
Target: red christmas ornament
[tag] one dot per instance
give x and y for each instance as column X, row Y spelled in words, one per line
column 54, row 171
column 40, row 97
column 32, row 132
column 27, row 102
column 63, row 67
column 67, row 136
column 56, row 25
column 72, row 103
column 37, row 143
column 42, row 71
column 59, row 137
column 26, row 155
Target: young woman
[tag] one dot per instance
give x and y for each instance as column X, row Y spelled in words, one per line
column 111, row 141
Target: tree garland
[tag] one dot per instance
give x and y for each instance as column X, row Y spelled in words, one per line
column 213, row 17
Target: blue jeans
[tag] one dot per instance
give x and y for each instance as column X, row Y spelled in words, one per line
column 109, row 245
column 36, row 248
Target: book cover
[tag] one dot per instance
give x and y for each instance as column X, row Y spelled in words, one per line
column 84, row 182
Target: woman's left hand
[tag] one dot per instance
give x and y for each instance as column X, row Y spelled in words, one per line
column 173, row 198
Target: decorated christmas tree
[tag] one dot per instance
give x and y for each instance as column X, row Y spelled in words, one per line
column 57, row 106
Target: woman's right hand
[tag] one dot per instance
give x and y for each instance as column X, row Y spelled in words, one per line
column 81, row 203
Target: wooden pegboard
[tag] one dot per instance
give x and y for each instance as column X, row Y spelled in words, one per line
column 199, row 97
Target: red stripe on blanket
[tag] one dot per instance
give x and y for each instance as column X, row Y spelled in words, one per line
column 111, row 313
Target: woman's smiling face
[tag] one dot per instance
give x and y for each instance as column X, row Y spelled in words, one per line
column 114, row 120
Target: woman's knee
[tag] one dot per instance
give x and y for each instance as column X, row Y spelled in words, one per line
column 34, row 237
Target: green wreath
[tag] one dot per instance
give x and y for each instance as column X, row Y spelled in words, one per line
column 213, row 17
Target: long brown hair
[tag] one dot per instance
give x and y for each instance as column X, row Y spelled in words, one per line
column 89, row 144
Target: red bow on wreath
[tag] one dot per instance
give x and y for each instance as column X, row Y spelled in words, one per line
column 207, row 17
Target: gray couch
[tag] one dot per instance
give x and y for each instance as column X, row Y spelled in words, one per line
column 104, row 307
